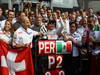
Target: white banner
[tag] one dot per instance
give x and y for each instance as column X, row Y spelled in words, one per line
column 63, row 3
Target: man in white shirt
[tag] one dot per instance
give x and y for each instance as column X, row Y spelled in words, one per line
column 23, row 35
column 76, row 38
column 66, row 28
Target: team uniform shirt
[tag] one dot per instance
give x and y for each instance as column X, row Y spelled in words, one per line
column 78, row 18
column 96, row 36
column 4, row 36
column 23, row 36
column 52, row 34
column 81, row 30
column 78, row 39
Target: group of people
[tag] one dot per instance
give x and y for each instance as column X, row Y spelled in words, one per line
column 81, row 27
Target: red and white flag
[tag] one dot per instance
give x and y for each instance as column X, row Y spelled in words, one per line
column 15, row 62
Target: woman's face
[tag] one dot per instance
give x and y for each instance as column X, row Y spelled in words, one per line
column 7, row 26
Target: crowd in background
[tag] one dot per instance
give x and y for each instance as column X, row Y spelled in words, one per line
column 81, row 27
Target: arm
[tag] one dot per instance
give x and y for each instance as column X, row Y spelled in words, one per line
column 17, row 42
column 16, row 45
column 60, row 28
column 19, row 46
column 77, row 42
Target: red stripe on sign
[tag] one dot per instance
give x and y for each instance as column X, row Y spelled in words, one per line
column 69, row 46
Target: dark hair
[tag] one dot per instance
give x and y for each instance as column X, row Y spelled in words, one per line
column 52, row 22
column 19, row 13
column 10, row 11
column 73, row 23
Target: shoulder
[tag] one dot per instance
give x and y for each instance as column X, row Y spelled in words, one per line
column 29, row 29
column 32, row 32
column 3, row 21
column 77, row 34
column 19, row 30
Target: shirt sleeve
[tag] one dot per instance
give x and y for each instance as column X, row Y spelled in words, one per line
column 35, row 33
column 78, row 39
column 17, row 39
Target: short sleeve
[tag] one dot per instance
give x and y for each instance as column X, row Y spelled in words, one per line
column 17, row 39
column 35, row 33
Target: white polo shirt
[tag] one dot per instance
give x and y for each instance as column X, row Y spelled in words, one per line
column 4, row 36
column 78, row 39
column 96, row 36
column 23, row 36
column 2, row 24
column 81, row 30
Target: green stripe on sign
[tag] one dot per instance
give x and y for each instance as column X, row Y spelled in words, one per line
column 59, row 46
column 96, row 28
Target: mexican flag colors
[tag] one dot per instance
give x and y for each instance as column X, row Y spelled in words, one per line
column 54, row 47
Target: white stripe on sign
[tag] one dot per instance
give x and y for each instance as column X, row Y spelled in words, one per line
column 16, row 67
column 20, row 66
column 13, row 66
column 3, row 61
column 11, row 56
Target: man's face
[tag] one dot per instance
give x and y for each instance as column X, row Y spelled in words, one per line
column 91, row 11
column 22, row 15
column 73, row 17
column 63, row 16
column 54, row 16
column 11, row 15
column 26, row 23
column 39, row 21
column 49, row 12
column 73, row 28
column 42, row 11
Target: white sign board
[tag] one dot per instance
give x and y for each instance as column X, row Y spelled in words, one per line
column 63, row 3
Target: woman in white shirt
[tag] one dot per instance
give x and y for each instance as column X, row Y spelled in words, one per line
column 6, row 33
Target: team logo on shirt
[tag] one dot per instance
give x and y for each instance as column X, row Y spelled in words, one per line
column 19, row 32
